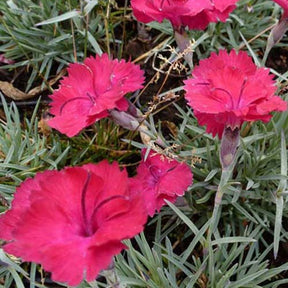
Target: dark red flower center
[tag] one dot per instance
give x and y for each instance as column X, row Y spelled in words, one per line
column 157, row 173
column 234, row 101
column 90, row 227
column 88, row 98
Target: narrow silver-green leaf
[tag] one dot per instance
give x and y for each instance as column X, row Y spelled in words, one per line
column 60, row 18
column 279, row 197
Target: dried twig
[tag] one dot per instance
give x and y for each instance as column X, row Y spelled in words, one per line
column 14, row 93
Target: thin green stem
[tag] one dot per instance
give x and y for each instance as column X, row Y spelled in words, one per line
column 124, row 29
column 225, row 176
column 106, row 22
column 86, row 25
column 73, row 35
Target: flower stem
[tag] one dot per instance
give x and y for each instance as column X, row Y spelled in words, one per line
column 228, row 154
column 225, row 176
column 184, row 43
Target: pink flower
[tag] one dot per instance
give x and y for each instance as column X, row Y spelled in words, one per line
column 228, row 89
column 159, row 178
column 192, row 13
column 73, row 221
column 90, row 90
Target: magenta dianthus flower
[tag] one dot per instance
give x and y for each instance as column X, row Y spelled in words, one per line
column 91, row 90
column 228, row 89
column 73, row 221
column 159, row 178
column 192, row 13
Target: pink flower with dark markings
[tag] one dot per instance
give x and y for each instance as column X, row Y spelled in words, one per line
column 159, row 178
column 91, row 90
column 73, row 221
column 228, row 89
column 192, row 13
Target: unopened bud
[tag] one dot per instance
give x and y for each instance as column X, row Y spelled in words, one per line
column 184, row 45
column 229, row 143
column 124, row 119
